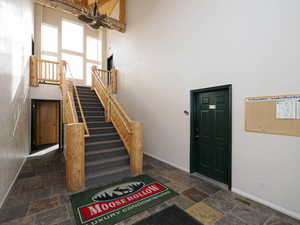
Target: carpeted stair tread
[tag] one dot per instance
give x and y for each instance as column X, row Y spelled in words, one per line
column 93, row 118
column 106, row 158
column 98, row 113
column 106, row 164
column 103, row 145
column 102, row 137
column 107, row 173
column 102, row 142
column 102, row 151
column 101, row 130
column 110, row 178
column 100, row 124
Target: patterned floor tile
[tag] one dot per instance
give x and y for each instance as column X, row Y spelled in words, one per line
column 181, row 201
column 281, row 220
column 230, row 220
column 44, row 204
column 205, row 214
column 221, row 202
column 52, row 216
column 195, row 194
column 250, row 215
column 208, row 188
column 49, row 201
column 7, row 214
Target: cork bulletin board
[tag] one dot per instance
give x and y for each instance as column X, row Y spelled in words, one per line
column 273, row 114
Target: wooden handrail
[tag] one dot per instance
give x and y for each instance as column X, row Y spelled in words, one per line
column 131, row 132
column 87, row 133
column 110, row 79
column 81, row 113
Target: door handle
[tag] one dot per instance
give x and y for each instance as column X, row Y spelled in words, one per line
column 197, row 136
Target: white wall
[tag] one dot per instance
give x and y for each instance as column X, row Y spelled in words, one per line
column 16, row 22
column 173, row 46
column 46, row 91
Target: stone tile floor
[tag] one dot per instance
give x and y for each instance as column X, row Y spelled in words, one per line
column 39, row 197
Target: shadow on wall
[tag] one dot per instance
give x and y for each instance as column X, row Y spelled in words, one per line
column 16, row 22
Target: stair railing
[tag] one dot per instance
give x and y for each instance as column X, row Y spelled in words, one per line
column 74, row 132
column 44, row 72
column 87, row 133
column 131, row 132
column 74, row 136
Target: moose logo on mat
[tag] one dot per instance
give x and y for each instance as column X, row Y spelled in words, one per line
column 119, row 191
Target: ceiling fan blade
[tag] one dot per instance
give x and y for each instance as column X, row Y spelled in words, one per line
column 85, row 18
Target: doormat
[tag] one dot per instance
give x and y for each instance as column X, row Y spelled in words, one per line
column 115, row 202
column 170, row 216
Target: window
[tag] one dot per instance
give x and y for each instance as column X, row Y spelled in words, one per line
column 75, row 66
column 49, row 38
column 72, row 36
column 73, row 42
column 49, row 57
column 92, row 49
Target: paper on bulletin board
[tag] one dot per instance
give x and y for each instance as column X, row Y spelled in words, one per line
column 287, row 109
column 298, row 109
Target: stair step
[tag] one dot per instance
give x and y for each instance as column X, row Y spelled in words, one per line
column 93, row 118
column 87, row 94
column 89, row 104
column 103, row 151
column 114, row 162
column 103, row 145
column 107, row 177
column 88, row 97
column 94, row 113
column 90, row 101
column 102, row 130
column 90, row 109
column 105, row 154
column 84, row 87
column 102, row 137
column 99, row 124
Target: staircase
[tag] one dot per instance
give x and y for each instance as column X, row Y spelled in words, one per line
column 105, row 155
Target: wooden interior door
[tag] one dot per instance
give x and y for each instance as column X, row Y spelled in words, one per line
column 47, row 122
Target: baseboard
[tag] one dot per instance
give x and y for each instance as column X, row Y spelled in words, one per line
column 267, row 203
column 167, row 162
column 12, row 183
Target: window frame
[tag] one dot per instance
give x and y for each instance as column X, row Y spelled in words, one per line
column 86, row 34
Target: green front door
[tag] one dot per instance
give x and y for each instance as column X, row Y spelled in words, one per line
column 211, row 134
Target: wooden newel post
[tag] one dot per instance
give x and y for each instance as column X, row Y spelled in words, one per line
column 114, row 81
column 62, row 71
column 137, row 149
column 33, row 71
column 75, row 159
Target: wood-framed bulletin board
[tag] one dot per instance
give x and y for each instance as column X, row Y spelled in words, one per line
column 273, row 114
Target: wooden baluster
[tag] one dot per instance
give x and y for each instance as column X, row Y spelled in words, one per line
column 75, row 157
column 136, row 150
column 52, row 72
column 39, row 71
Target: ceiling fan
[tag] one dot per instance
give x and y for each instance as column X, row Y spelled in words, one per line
column 90, row 16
